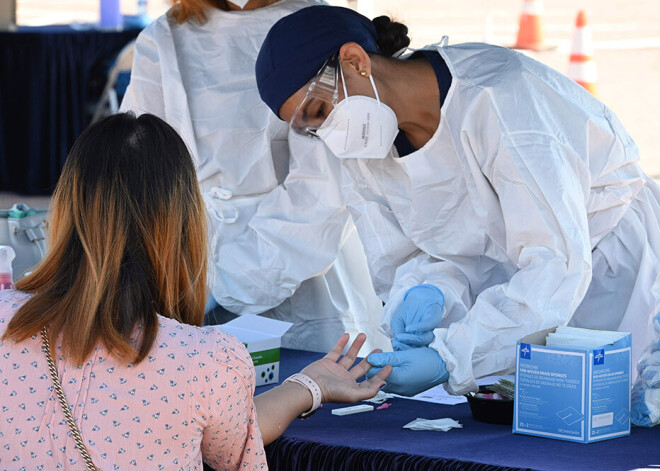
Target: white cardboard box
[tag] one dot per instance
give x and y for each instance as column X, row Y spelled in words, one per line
column 568, row 393
column 262, row 337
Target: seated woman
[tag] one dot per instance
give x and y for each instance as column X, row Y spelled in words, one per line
column 113, row 312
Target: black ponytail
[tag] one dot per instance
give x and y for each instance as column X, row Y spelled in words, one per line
column 392, row 36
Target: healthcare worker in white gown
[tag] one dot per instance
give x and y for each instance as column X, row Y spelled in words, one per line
column 282, row 241
column 519, row 204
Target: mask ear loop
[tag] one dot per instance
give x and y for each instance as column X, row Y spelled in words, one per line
column 373, row 85
column 402, row 51
column 343, row 82
column 371, row 79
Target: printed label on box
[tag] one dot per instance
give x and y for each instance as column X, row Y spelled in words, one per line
column 602, row 420
column 551, row 394
column 610, row 381
column 569, row 393
column 599, row 357
column 525, row 351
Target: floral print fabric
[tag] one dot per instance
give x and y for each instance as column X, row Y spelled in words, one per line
column 191, row 397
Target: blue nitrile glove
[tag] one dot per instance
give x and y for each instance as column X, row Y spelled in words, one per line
column 418, row 314
column 414, row 370
column 645, row 406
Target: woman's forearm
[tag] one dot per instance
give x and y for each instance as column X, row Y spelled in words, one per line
column 336, row 378
column 278, row 407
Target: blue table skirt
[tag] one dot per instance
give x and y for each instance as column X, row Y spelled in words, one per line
column 376, row 441
column 45, row 77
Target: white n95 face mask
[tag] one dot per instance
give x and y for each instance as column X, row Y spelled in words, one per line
column 359, row 127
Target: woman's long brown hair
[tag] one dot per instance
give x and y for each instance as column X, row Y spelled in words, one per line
column 128, row 242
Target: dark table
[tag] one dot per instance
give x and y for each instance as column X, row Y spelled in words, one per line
column 46, row 86
column 375, row 441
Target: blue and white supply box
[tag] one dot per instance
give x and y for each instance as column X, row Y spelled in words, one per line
column 573, row 384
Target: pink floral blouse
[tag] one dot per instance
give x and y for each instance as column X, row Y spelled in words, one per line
column 191, row 397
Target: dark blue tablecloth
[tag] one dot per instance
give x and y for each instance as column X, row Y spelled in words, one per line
column 46, row 75
column 376, row 441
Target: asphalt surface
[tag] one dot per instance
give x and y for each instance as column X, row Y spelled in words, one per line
column 626, row 38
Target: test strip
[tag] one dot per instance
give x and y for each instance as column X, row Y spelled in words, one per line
column 352, row 409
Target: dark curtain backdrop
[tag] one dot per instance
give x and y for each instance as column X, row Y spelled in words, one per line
column 49, row 76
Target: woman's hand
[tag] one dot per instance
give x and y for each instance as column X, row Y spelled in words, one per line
column 336, row 378
column 277, row 407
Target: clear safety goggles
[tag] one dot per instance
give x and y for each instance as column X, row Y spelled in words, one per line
column 321, row 97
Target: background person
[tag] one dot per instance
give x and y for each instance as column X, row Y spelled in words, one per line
column 120, row 295
column 281, row 237
column 510, row 202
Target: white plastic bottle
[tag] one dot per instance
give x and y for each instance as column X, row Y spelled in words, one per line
column 7, row 255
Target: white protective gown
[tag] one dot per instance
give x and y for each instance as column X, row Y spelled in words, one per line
column 282, row 240
column 527, row 208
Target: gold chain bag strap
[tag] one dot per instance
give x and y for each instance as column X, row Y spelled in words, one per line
column 65, row 406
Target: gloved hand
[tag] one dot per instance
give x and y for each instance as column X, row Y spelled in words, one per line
column 645, row 405
column 420, row 312
column 414, row 370
column 645, row 408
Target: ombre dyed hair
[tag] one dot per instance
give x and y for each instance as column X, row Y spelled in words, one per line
column 127, row 242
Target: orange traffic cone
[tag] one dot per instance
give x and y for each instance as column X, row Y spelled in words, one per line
column 530, row 29
column 582, row 67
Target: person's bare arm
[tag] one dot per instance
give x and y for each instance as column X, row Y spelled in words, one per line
column 278, row 407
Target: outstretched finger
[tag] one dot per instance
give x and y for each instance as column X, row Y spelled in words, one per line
column 371, row 386
column 373, row 371
column 385, row 358
column 348, row 359
column 335, row 353
column 359, row 370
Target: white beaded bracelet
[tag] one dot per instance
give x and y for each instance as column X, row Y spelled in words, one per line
column 314, row 388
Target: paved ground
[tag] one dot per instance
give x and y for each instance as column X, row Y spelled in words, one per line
column 626, row 35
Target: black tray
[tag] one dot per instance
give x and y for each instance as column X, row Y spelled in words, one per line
column 491, row 411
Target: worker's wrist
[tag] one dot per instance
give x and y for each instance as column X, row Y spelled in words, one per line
column 312, row 397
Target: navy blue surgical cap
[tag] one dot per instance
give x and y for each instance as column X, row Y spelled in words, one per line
column 298, row 44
